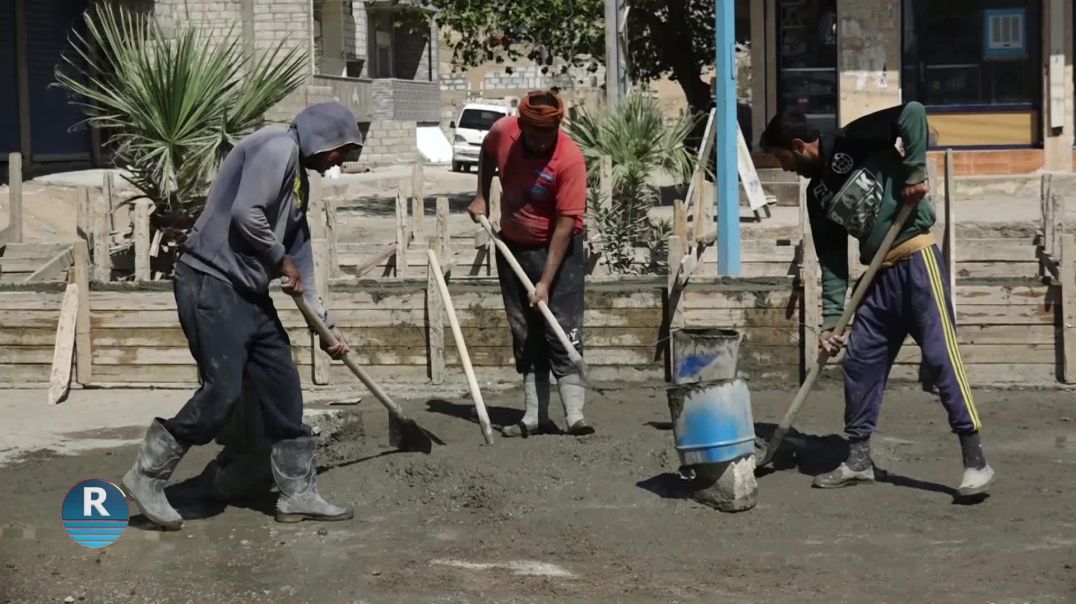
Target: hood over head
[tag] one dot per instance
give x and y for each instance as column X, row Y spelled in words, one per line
column 324, row 127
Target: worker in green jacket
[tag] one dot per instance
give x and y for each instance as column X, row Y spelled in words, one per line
column 858, row 181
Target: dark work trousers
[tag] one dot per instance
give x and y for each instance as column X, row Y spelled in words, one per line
column 231, row 334
column 910, row 297
column 534, row 343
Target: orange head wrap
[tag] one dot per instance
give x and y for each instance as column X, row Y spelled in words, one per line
column 541, row 109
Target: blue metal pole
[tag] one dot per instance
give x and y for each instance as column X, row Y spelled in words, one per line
column 727, row 180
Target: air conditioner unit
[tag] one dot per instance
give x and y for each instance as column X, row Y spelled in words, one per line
column 1005, row 33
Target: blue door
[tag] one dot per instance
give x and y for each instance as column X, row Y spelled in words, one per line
column 48, row 25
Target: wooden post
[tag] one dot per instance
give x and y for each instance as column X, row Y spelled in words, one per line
column 694, row 205
column 810, row 276
column 1057, row 222
column 60, row 378
column 677, row 249
column 680, row 228
column 1067, row 273
column 418, row 195
column 142, row 209
column 605, row 181
column 14, row 183
column 401, row 234
column 83, row 341
column 84, row 219
column 435, row 310
column 949, row 242
column 102, row 233
column 443, row 237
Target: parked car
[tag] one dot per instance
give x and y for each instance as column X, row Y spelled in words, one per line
column 471, row 128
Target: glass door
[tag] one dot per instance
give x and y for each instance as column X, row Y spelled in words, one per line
column 807, row 60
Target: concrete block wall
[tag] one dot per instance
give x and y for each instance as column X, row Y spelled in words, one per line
column 390, row 142
column 406, row 100
column 356, row 39
column 215, row 16
column 275, row 20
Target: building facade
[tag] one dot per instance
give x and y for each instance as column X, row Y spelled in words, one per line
column 375, row 56
column 996, row 76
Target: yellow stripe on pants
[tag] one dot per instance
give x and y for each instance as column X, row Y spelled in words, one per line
column 951, row 346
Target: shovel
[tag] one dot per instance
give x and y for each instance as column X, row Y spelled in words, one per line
column 404, row 433
column 823, row 356
column 573, row 354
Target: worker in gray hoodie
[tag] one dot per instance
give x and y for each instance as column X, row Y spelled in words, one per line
column 252, row 230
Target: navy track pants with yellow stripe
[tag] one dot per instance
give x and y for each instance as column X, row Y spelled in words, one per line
column 910, row 297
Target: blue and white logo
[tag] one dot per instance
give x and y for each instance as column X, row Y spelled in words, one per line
column 95, row 513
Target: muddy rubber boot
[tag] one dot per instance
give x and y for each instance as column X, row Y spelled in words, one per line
column 157, row 459
column 573, row 395
column 858, row 468
column 536, row 388
column 977, row 473
column 295, row 473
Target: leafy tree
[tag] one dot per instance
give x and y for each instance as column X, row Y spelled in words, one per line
column 672, row 38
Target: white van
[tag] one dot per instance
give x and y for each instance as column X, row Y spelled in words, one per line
column 470, row 130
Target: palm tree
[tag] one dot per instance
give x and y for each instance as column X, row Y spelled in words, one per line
column 176, row 102
column 642, row 145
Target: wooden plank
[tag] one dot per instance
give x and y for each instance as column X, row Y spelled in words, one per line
column 1046, row 208
column 14, row 209
column 981, row 375
column 418, row 197
column 101, row 230
column 24, row 375
column 376, row 259
column 401, row 235
column 444, row 235
column 695, row 202
column 32, row 251
column 142, row 210
column 1000, row 250
column 435, row 309
column 55, row 269
column 1067, row 274
column 978, row 270
column 30, row 300
column 1002, row 295
column 949, row 247
column 358, row 319
column 63, row 350
column 990, row 354
column 83, row 341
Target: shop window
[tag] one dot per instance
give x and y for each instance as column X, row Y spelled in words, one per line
column 807, row 60
column 975, row 64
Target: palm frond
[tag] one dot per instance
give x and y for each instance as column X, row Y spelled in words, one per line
column 176, row 102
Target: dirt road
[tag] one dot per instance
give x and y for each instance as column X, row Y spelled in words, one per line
column 597, row 519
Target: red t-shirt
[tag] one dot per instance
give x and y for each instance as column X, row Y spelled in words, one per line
column 535, row 190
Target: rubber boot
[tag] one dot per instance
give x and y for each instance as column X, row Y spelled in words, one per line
column 858, row 468
column 573, row 395
column 157, row 459
column 977, row 473
column 536, row 389
column 295, row 473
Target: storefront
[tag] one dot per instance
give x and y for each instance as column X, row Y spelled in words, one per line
column 975, row 65
column 995, row 75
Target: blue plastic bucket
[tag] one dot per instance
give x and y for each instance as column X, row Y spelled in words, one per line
column 712, row 421
column 704, row 355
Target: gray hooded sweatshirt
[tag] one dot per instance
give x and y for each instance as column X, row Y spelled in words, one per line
column 256, row 210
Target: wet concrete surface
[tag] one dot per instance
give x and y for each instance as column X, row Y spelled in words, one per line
column 603, row 518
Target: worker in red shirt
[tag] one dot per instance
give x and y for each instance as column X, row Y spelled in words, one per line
column 544, row 197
